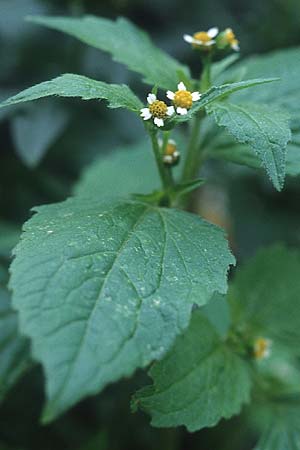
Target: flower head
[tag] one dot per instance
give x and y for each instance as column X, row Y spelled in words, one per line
column 183, row 99
column 157, row 109
column 202, row 39
column 171, row 155
column 231, row 39
column 262, row 348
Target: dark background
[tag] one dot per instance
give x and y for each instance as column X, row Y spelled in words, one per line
column 258, row 214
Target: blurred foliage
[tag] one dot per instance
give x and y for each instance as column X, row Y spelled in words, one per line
column 256, row 214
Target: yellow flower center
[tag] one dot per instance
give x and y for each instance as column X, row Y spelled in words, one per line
column 202, row 36
column 170, row 149
column 183, row 99
column 230, row 37
column 261, row 348
column 158, row 109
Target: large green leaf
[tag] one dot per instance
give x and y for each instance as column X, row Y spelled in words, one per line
column 265, row 130
column 127, row 44
column 265, row 297
column 71, row 85
column 14, row 351
column 104, row 288
column 197, row 383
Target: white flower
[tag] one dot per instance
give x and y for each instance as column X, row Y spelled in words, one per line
column 183, row 99
column 202, row 38
column 157, row 109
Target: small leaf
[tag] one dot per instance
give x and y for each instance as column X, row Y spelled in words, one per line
column 193, row 385
column 71, row 85
column 265, row 130
column 103, row 288
column 127, row 44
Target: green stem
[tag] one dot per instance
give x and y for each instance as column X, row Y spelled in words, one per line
column 194, row 158
column 164, row 172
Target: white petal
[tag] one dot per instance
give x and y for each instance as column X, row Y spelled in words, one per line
column 181, row 111
column 235, row 47
column 168, row 159
column 196, row 96
column 147, row 117
column 151, row 98
column 212, row 32
column 159, row 122
column 170, row 111
column 188, row 38
column 209, row 43
column 181, row 86
column 171, row 141
column 170, row 95
column 145, row 110
column 145, row 113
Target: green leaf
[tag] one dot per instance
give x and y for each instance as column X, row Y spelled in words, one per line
column 217, row 93
column 14, row 350
column 284, row 64
column 71, row 85
column 193, row 385
column 265, row 130
column 104, row 288
column 265, row 297
column 35, row 129
column 127, row 44
column 224, row 147
column 124, row 171
column 281, row 429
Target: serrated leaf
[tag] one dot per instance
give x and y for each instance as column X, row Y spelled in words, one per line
column 286, row 65
column 128, row 45
column 265, row 130
column 217, row 93
column 71, row 85
column 104, row 288
column 14, row 350
column 35, row 129
column 193, row 385
column 265, row 297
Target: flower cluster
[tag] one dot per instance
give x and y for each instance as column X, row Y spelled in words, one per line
column 262, row 348
column 159, row 111
column 206, row 40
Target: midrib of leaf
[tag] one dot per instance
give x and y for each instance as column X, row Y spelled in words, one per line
column 127, row 238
